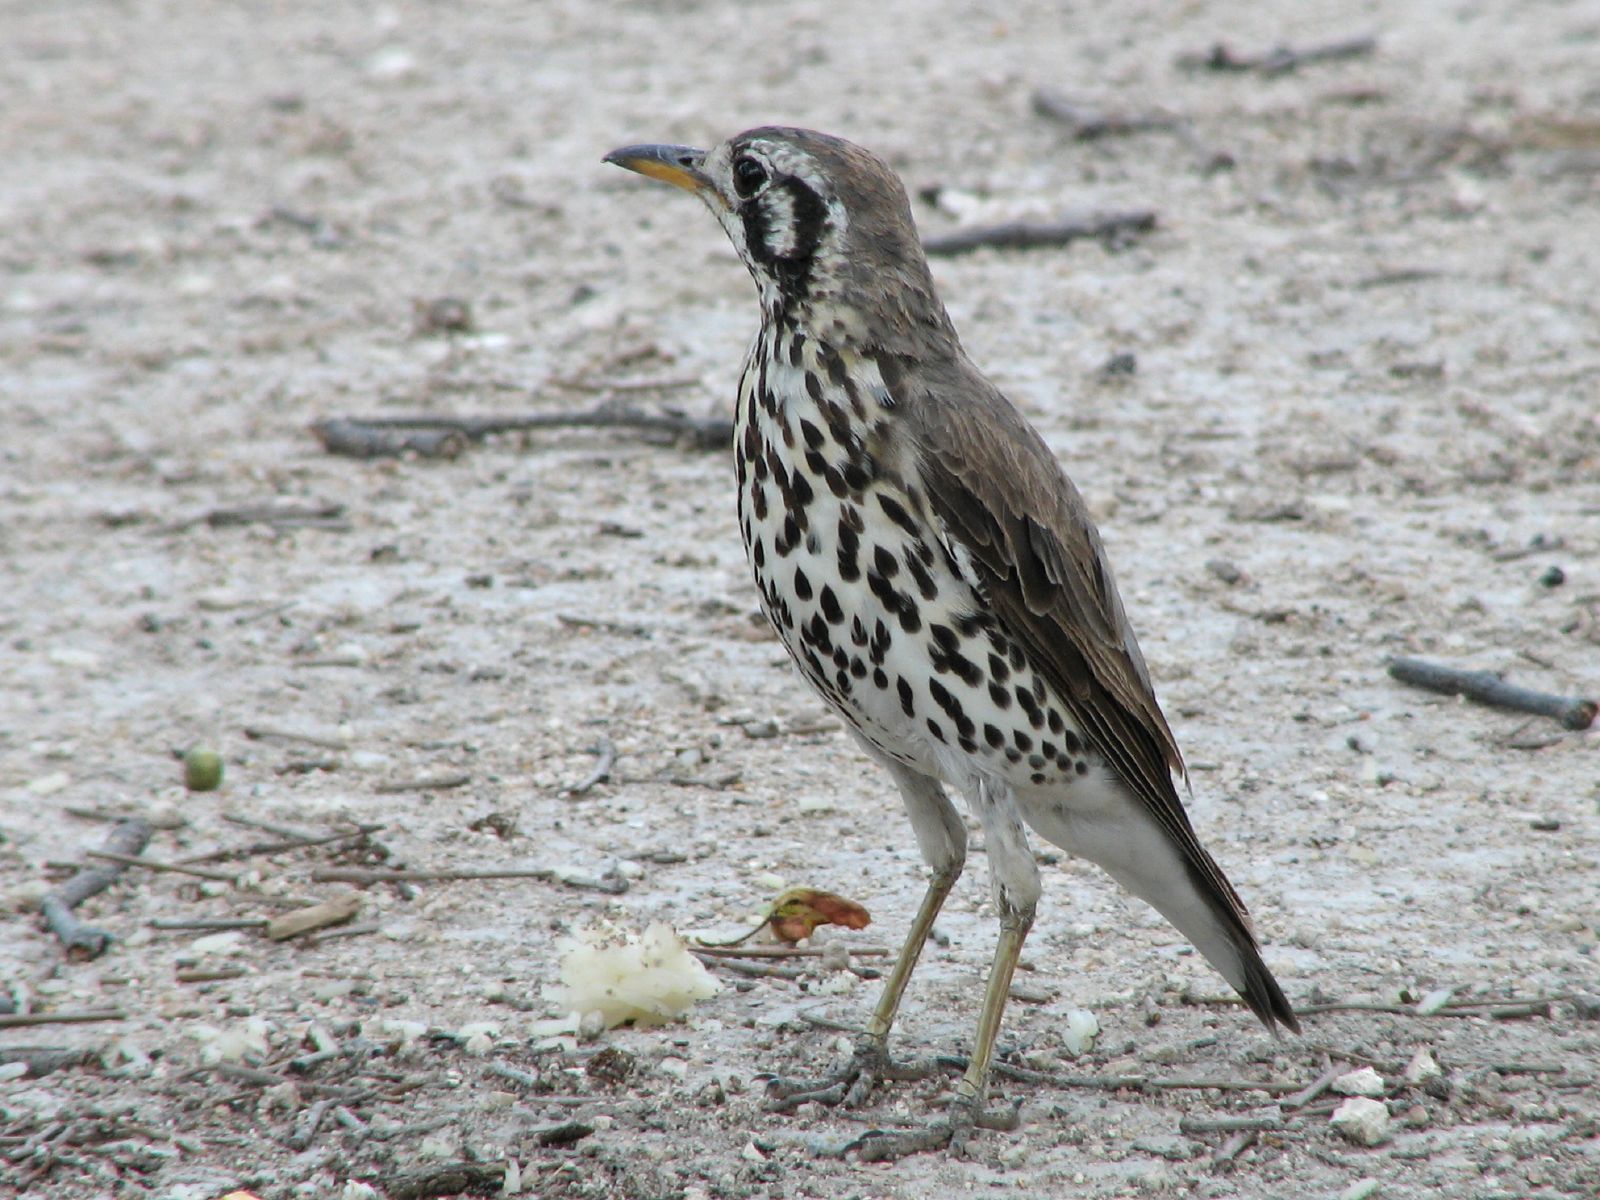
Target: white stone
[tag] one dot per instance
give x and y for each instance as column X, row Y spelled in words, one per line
column 1365, row 1082
column 1363, row 1121
column 1422, row 1067
column 1081, row 1031
column 228, row 942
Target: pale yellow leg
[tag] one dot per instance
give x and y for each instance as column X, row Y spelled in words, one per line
column 910, row 952
column 1006, row 952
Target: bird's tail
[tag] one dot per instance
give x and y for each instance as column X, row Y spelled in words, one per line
column 1184, row 884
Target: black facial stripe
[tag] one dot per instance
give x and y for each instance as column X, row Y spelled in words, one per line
column 792, row 269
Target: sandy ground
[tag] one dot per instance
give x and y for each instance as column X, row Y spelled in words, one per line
column 1362, row 421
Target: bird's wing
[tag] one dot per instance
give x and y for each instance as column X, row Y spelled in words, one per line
column 999, row 492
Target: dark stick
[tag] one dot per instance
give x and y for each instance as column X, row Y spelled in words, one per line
column 43, row 1060
column 307, row 1124
column 753, row 969
column 384, row 437
column 1107, row 227
column 610, row 884
column 444, row 1179
column 424, row 783
column 1088, row 124
column 365, row 439
column 287, row 843
column 70, row 1017
column 1281, row 59
column 320, row 516
column 83, row 941
column 152, row 864
column 1487, row 688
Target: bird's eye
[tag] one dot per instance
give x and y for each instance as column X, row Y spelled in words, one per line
column 748, row 176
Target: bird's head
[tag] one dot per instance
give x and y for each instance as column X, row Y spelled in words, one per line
column 818, row 221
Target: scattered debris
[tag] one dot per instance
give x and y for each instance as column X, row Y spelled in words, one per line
column 443, row 314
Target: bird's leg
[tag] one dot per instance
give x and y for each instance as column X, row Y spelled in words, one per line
column 1016, row 888
column 943, row 840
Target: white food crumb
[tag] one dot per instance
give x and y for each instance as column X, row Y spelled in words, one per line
column 616, row 976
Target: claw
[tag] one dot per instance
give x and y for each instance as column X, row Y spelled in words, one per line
column 954, row 1130
column 853, row 1083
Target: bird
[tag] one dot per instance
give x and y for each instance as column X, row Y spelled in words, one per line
column 938, row 580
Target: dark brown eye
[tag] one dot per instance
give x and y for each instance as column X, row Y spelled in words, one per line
column 748, row 177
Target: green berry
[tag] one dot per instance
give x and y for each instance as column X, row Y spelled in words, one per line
column 202, row 770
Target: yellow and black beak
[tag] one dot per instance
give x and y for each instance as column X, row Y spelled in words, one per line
column 677, row 165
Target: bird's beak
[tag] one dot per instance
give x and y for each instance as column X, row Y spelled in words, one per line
column 677, row 165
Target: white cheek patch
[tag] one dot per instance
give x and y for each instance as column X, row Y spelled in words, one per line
column 778, row 210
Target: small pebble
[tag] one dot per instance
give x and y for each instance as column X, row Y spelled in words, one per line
column 1224, row 571
column 1553, row 577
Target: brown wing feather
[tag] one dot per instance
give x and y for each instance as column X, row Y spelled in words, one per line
column 999, row 490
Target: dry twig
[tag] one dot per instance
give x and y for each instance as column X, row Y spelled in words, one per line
column 286, row 843
column 431, row 435
column 43, row 1060
column 1105, row 227
column 1485, row 687
column 155, row 864
column 424, row 783
column 83, row 941
column 1088, row 124
column 299, row 516
column 1281, row 59
column 607, row 753
column 64, row 1017
column 611, row 884
column 786, row 951
column 444, row 1179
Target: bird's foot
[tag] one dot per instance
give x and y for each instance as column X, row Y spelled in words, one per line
column 853, row 1083
column 953, row 1131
